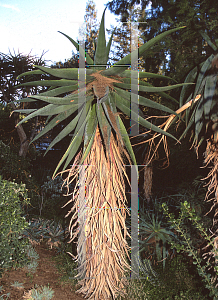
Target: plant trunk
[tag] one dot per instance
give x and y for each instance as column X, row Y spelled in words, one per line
column 102, row 247
column 24, row 142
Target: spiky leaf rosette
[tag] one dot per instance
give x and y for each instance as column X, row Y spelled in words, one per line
column 106, row 86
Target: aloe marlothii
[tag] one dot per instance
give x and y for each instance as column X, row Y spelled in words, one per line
column 101, row 210
column 203, row 115
column 200, row 104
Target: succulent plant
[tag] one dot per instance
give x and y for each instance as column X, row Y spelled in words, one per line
column 108, row 86
column 99, row 129
column 18, row 285
column 2, row 297
column 40, row 293
column 47, row 230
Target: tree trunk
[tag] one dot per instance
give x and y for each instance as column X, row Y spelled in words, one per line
column 24, row 142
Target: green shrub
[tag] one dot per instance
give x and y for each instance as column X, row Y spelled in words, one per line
column 176, row 281
column 15, row 167
column 13, row 197
column 188, row 243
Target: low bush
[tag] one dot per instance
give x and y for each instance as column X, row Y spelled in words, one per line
column 12, row 224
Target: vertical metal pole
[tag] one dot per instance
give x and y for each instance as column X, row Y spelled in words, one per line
column 134, row 79
column 81, row 78
column 82, row 205
column 134, row 223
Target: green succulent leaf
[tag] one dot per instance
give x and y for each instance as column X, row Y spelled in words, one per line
column 50, row 109
column 201, row 75
column 144, row 101
column 208, row 40
column 60, row 90
column 190, row 78
column 78, row 137
column 34, row 72
column 149, row 89
column 82, row 51
column 70, row 127
column 139, row 119
column 65, row 73
column 109, row 110
column 144, row 83
column 141, row 74
column 61, row 82
column 105, row 126
column 100, row 54
column 90, row 131
column 75, row 143
column 109, row 45
column 127, row 143
column 209, row 92
column 24, row 100
column 71, row 99
column 55, row 121
column 25, row 111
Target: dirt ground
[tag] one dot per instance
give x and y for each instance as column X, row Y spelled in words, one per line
column 45, row 274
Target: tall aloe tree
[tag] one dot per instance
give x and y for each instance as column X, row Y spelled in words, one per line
column 99, row 145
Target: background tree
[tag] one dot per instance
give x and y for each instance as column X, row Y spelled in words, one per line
column 90, row 31
column 179, row 52
column 10, row 67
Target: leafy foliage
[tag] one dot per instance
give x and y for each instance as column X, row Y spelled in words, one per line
column 175, row 280
column 187, row 244
column 12, row 224
column 15, row 167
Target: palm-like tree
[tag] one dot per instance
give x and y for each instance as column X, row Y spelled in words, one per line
column 100, row 208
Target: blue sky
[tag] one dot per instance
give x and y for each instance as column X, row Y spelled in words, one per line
column 31, row 25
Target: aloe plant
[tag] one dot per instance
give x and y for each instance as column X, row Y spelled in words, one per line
column 48, row 230
column 198, row 104
column 99, row 164
column 40, row 293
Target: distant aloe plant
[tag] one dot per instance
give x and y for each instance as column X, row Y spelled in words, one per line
column 17, row 284
column 40, row 293
column 47, row 230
